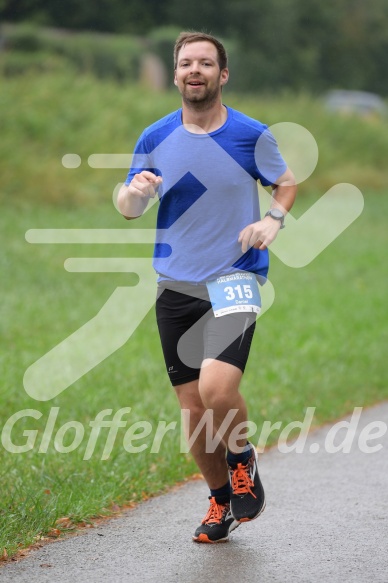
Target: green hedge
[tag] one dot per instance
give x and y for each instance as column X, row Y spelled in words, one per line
column 106, row 56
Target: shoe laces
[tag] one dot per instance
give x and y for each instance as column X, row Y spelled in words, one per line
column 241, row 480
column 215, row 513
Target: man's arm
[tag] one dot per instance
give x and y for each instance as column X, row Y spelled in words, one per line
column 132, row 200
column 262, row 233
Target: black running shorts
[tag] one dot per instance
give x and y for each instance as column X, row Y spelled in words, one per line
column 190, row 332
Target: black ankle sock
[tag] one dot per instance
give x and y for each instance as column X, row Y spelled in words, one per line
column 239, row 458
column 222, row 495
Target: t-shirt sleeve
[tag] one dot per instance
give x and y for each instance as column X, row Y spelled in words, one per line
column 142, row 159
column 269, row 161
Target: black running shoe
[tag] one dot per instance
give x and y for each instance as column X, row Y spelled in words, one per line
column 247, row 499
column 216, row 525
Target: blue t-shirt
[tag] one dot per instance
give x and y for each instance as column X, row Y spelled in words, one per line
column 208, row 195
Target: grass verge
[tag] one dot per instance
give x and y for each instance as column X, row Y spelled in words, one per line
column 320, row 345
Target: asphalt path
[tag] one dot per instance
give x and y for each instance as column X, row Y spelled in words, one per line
column 326, row 520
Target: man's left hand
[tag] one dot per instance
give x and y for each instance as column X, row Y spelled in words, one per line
column 259, row 235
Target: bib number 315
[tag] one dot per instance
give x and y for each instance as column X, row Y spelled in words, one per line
column 237, row 292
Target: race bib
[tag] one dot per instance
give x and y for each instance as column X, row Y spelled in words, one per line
column 237, row 292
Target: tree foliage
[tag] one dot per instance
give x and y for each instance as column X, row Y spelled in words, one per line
column 295, row 44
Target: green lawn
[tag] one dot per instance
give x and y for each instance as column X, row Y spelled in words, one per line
column 320, row 345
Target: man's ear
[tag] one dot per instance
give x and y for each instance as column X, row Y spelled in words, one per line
column 224, row 76
column 175, row 81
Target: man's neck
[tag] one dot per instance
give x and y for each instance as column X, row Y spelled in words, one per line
column 198, row 121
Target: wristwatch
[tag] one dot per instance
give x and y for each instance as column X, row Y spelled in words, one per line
column 277, row 215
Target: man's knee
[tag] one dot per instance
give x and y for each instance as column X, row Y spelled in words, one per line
column 190, row 401
column 219, row 384
column 215, row 395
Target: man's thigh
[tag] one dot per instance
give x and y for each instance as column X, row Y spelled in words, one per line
column 228, row 339
column 190, row 333
column 177, row 314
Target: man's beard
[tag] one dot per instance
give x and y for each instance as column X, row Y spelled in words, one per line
column 201, row 102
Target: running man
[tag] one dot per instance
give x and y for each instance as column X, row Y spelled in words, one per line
column 203, row 162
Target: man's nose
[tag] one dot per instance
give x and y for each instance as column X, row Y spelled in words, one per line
column 194, row 67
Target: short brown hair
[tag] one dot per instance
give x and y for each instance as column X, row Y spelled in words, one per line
column 192, row 37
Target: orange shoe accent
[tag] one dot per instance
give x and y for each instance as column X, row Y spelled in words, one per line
column 257, row 515
column 214, row 514
column 203, row 538
column 241, row 481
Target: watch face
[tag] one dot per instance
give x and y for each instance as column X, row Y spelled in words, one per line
column 277, row 214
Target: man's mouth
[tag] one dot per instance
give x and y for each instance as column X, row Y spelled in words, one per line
column 195, row 83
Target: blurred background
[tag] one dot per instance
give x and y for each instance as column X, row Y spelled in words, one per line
column 86, row 77
column 285, row 44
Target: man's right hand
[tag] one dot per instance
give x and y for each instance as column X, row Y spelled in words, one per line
column 132, row 200
column 144, row 184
